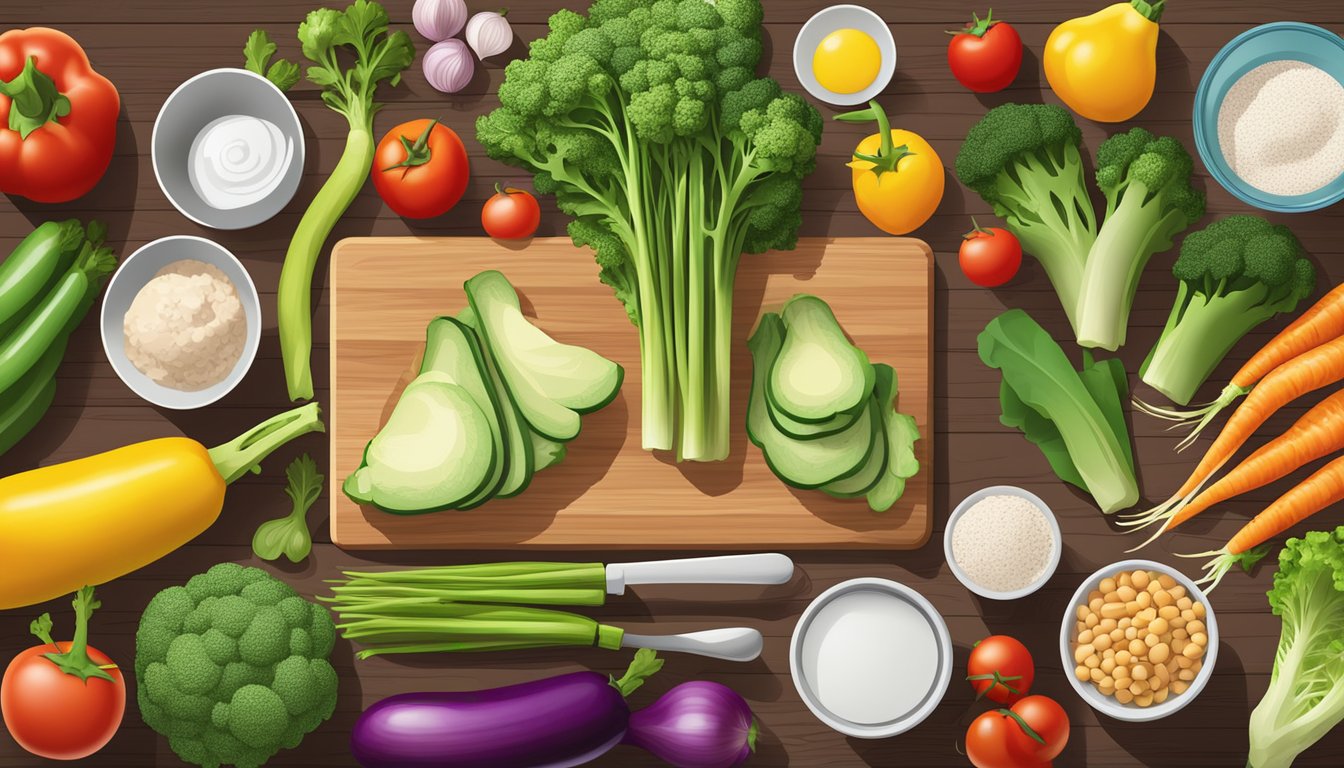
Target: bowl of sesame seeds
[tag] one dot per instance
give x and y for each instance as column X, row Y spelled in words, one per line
column 1003, row 542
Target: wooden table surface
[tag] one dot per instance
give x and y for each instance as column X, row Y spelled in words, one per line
column 147, row 47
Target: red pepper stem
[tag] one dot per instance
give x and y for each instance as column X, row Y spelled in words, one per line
column 1027, row 729
column 34, row 99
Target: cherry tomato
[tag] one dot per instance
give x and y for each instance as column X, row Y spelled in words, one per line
column 56, row 715
column 510, row 214
column 989, row 257
column 1000, row 738
column 986, row 55
column 420, row 169
column 1000, row 669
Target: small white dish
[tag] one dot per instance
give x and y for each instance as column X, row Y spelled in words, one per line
column 823, row 23
column 197, row 103
column 1056, row 551
column 831, row 631
column 1107, row 705
column 137, row 270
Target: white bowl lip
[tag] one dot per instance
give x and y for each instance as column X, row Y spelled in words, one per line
column 1107, row 705
column 940, row 684
column 246, row 292
column 886, row 43
column 300, row 145
column 1056, row 547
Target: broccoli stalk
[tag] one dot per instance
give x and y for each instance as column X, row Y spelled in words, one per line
column 1305, row 698
column 1149, row 201
column 646, row 122
column 1234, row 275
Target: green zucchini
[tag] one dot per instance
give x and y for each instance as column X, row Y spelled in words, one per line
column 517, row 435
column 24, row 405
column 818, row 374
column 35, row 265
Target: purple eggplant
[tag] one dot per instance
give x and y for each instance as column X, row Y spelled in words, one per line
column 696, row 725
column 553, row 723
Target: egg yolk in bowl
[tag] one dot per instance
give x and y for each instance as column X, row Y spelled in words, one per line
column 846, row 61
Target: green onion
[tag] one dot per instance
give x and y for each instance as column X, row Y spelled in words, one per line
column 521, row 583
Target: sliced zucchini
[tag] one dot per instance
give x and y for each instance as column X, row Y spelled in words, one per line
column 806, row 431
column 546, row 452
column 451, row 350
column 435, row 452
column 801, row 463
column 868, row 476
column 901, row 434
column 517, row 436
column 818, row 372
column 574, row 377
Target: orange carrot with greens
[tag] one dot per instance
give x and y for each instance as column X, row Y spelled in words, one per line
column 1324, row 487
column 1320, row 432
column 1305, row 373
column 1318, row 325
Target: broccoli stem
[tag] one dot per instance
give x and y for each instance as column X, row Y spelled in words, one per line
column 1199, row 333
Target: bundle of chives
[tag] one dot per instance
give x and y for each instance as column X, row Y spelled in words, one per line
column 513, row 583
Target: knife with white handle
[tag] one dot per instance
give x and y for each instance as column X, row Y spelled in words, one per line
column 729, row 644
column 768, row 568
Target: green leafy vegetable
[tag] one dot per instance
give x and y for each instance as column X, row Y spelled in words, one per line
column 647, row 122
column 1234, row 275
column 1306, row 692
column 358, row 35
column 232, row 667
column 1076, row 419
column 1026, row 161
column 289, row 535
column 257, row 55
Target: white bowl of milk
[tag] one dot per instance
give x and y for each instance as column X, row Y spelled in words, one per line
column 228, row 149
column 871, row 658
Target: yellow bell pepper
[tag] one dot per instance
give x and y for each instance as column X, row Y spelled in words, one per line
column 91, row 520
column 898, row 178
column 1104, row 66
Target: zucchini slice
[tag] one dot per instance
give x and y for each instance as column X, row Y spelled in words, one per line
column 901, row 434
column 818, row 374
column 517, row 436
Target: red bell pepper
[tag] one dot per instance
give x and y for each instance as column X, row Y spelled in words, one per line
column 58, row 117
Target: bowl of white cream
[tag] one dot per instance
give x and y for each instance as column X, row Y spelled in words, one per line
column 871, row 658
column 228, row 149
column 181, row 322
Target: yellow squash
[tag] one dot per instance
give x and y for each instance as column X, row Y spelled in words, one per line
column 91, row 520
column 898, row 178
column 1104, row 66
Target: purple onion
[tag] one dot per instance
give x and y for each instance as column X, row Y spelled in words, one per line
column 696, row 725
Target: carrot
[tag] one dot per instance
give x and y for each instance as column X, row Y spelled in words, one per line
column 1318, row 433
column 1319, row 324
column 1305, row 373
column 1324, row 487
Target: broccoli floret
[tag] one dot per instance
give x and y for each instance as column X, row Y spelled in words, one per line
column 647, row 123
column 234, row 667
column 1234, row 275
column 1149, row 200
column 1024, row 160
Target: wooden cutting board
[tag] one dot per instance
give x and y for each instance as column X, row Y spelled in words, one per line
column 609, row 492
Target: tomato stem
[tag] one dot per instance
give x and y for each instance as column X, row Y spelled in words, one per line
column 1027, row 729
column 976, row 231
column 417, row 153
column 998, row 680
column 75, row 661
column 978, row 26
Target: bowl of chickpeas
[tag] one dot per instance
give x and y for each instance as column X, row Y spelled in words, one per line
column 1141, row 640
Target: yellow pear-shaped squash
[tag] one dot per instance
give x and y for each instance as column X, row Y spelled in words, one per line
column 1104, row 66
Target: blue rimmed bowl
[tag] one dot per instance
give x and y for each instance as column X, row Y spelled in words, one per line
column 1279, row 41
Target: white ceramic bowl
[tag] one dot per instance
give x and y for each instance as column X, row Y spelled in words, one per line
column 195, row 104
column 1107, row 705
column 823, row 23
column 131, row 276
column 1056, row 549
column 803, row 670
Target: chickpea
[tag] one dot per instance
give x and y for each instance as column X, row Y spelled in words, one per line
column 1108, row 665
column 1122, row 658
column 1106, row 625
column 1188, row 615
column 1085, row 636
column 1158, row 626
column 1163, row 598
column 1117, row 635
column 1144, row 599
column 1125, row 623
column 1094, row 594
column 1137, row 647
column 1092, row 662
column 1095, row 605
column 1140, row 671
column 1177, row 591
column 1100, row 642
column 1183, row 662
column 1182, row 633
column 1107, row 585
column 1127, row 594
column 1152, row 642
column 1132, row 634
column 1144, row 700
column 1199, row 610
column 1139, row 579
column 1200, row 639
column 1082, row 612
column 1082, row 673
column 1123, row 695
column 1083, row 651
column 1113, row 610
column 1153, row 588
column 1178, row 645
column 1114, row 597
column 1177, row 623
column 1106, row 688
column 1097, row 675
column 1091, row 621
column 1186, row 674
column 1194, row 626
column 1197, row 666
column 1193, row 651
column 1184, row 603
column 1132, row 608
column 1138, row 686
column 1179, row 686
column 1159, row 653
column 1109, row 653
column 1122, row 581
column 1167, row 581
column 1168, row 611
column 1140, row 621
column 1160, row 695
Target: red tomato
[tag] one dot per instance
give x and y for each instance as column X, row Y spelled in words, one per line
column 997, row 739
column 420, row 169
column 986, row 55
column 1000, row 669
column 511, row 214
column 56, row 715
column 989, row 257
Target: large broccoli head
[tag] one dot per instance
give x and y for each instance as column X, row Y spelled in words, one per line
column 232, row 667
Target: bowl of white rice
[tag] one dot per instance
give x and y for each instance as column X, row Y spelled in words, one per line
column 1269, row 117
column 1003, row 542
